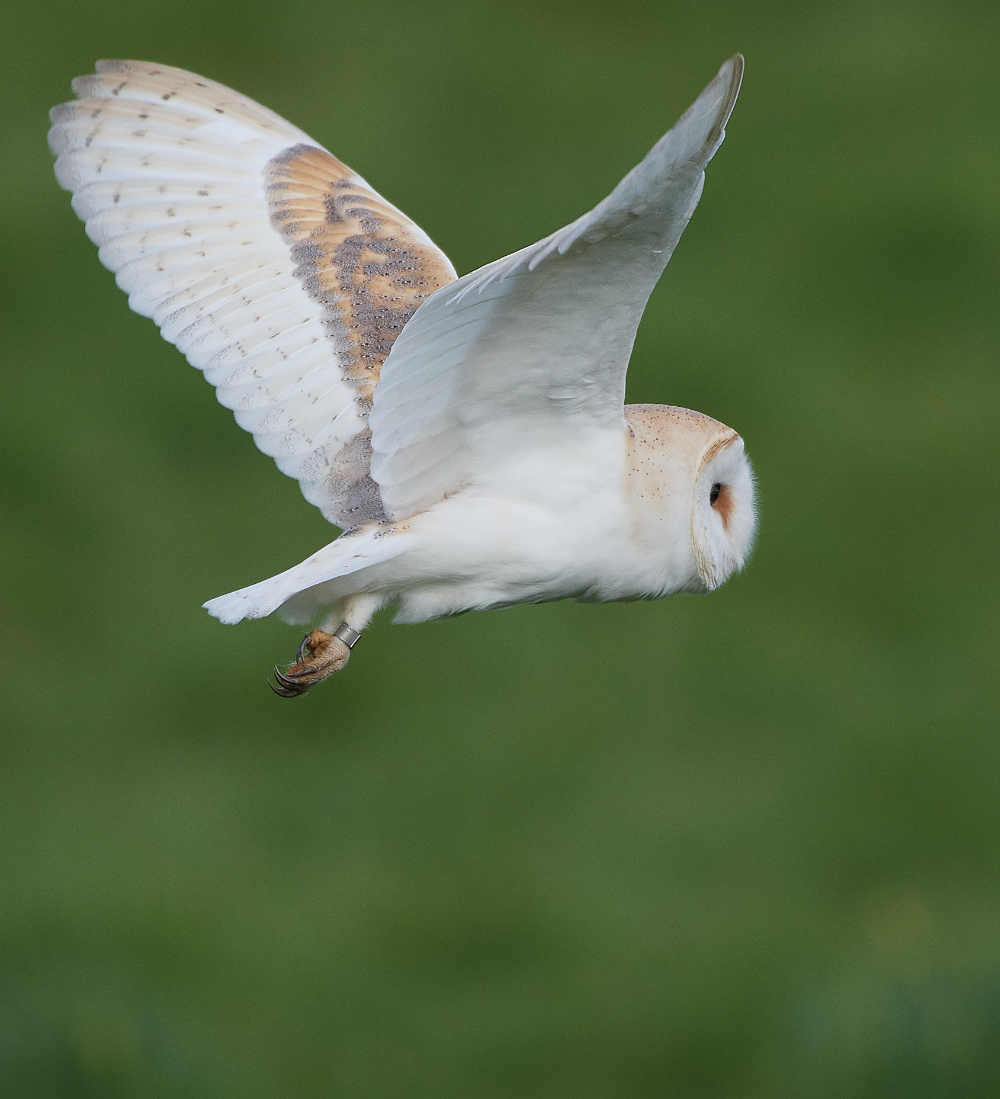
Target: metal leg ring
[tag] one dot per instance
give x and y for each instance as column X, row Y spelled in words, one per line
column 347, row 634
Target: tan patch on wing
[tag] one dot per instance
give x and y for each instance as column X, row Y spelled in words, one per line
column 356, row 255
column 370, row 268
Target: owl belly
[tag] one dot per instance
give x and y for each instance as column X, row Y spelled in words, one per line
column 477, row 553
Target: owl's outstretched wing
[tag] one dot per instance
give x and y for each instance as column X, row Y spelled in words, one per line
column 531, row 351
column 276, row 270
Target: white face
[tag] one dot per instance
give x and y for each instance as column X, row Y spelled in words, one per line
column 693, row 495
column 723, row 516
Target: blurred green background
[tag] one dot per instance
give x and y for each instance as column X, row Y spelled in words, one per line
column 736, row 847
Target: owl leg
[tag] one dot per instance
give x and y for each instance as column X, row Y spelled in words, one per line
column 325, row 651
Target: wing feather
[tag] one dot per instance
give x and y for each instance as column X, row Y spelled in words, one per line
column 533, row 349
column 274, row 268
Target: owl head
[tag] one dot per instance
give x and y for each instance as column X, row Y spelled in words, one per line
column 697, row 472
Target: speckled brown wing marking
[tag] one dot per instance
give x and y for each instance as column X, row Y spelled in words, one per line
column 356, row 255
column 272, row 267
column 367, row 265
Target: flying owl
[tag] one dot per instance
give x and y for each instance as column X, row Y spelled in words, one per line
column 468, row 434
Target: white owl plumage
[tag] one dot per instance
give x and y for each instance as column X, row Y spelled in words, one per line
column 469, row 434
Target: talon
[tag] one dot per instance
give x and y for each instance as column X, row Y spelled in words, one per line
column 302, row 648
column 287, row 687
column 283, row 679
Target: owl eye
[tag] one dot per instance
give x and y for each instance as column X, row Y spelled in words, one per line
column 714, row 494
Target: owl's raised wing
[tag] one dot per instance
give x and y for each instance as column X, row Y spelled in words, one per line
column 276, row 270
column 530, row 352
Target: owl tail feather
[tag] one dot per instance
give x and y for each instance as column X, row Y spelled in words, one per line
column 313, row 583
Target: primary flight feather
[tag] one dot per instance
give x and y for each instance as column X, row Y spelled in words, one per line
column 469, row 434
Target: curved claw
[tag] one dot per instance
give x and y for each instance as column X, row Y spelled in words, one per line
column 282, row 692
column 284, row 680
column 300, row 652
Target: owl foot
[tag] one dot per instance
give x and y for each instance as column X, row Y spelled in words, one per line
column 320, row 655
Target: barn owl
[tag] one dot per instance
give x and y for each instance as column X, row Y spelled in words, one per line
column 469, row 435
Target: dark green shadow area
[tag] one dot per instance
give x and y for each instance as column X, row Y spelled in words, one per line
column 741, row 847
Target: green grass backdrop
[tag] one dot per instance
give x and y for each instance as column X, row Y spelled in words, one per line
column 736, row 847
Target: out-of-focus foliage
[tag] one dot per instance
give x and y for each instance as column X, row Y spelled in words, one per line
column 743, row 846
